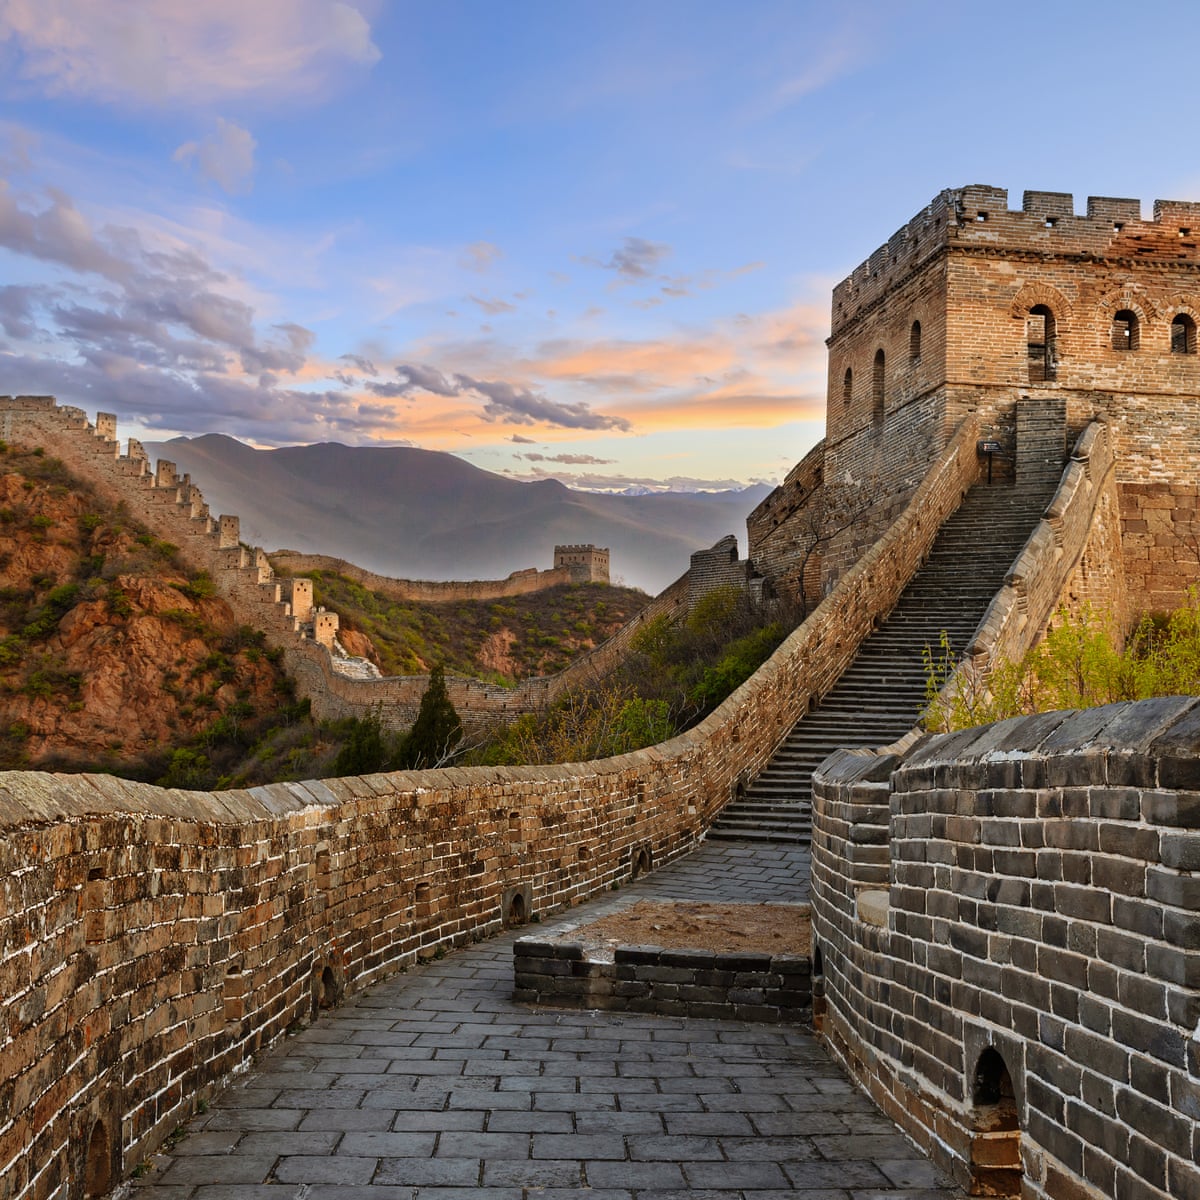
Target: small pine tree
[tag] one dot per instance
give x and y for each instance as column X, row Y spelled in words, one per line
column 437, row 729
column 362, row 752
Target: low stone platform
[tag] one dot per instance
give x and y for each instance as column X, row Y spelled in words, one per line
column 674, row 983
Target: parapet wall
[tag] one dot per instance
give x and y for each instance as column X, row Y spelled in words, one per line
column 1005, row 927
column 519, row 583
column 151, row 940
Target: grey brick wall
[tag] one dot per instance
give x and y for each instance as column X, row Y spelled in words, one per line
column 1042, row 901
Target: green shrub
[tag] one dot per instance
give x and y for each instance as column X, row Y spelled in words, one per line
column 1080, row 663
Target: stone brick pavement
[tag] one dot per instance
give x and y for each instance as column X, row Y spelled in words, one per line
column 435, row 1085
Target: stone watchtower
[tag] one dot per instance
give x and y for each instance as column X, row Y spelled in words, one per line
column 1037, row 321
column 587, row 564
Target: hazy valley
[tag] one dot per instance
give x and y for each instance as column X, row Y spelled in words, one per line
column 422, row 514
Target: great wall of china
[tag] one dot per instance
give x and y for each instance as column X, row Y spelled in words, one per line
column 1006, row 920
column 173, row 508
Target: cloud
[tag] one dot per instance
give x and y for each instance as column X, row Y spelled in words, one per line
column 417, row 378
column 365, row 365
column 522, row 406
column 479, row 256
column 225, row 157
column 635, row 259
column 523, row 441
column 16, row 311
column 492, row 307
column 511, row 403
column 58, row 233
column 594, row 482
column 132, row 321
column 576, row 460
column 390, row 391
column 183, row 52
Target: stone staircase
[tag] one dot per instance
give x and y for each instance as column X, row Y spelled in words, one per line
column 880, row 696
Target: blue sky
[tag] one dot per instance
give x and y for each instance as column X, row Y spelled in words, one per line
column 588, row 240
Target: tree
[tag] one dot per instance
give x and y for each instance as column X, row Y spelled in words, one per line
column 437, row 729
column 362, row 752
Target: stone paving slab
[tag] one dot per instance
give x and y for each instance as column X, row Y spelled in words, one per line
column 434, row 1085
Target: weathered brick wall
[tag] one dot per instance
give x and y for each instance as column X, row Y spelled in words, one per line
column 151, row 940
column 783, row 503
column 717, row 567
column 1160, row 542
column 519, row 583
column 1024, row 894
column 783, row 532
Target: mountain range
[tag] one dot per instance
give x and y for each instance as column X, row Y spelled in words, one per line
column 425, row 514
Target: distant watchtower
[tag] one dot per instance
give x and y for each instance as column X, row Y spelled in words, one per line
column 587, row 564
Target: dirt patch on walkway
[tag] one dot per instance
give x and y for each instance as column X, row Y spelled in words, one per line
column 687, row 925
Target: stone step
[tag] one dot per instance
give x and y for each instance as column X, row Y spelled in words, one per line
column 880, row 696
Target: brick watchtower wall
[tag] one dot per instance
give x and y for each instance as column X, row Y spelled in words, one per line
column 974, row 307
column 586, row 563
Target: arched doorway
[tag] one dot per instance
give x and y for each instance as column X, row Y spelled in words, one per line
column 996, row 1137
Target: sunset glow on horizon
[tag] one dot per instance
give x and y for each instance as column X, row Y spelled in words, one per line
column 593, row 242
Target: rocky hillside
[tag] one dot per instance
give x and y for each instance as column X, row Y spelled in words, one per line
column 509, row 639
column 112, row 653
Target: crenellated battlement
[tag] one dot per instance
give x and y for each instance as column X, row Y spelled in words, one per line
column 170, row 505
column 978, row 216
column 586, row 563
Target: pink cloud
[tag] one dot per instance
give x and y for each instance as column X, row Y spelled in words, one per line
column 183, row 52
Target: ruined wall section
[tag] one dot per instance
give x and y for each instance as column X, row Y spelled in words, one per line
column 519, row 583
column 1017, row 905
column 168, row 504
column 716, row 568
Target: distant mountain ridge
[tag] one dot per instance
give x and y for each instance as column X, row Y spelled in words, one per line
column 425, row 514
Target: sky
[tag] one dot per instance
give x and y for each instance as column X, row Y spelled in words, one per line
column 586, row 239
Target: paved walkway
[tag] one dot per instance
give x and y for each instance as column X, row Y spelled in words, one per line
column 434, row 1086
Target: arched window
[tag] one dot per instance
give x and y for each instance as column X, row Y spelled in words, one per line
column 847, row 386
column 1125, row 330
column 1041, row 350
column 1183, row 335
column 914, row 343
column 877, row 388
